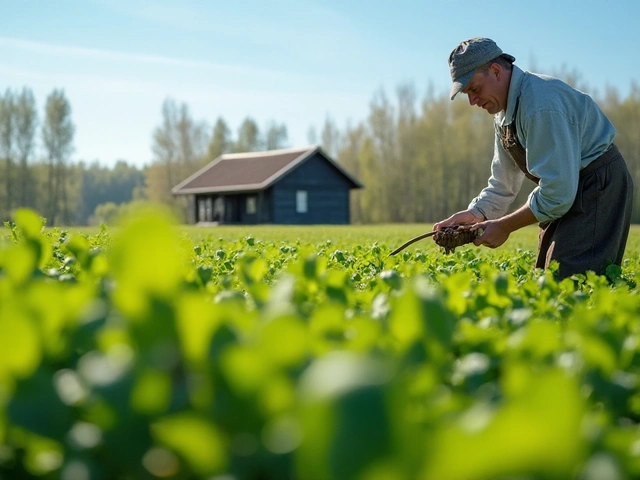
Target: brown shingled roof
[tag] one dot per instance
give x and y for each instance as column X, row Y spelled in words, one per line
column 246, row 171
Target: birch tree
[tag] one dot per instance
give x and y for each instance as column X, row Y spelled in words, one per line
column 276, row 136
column 248, row 137
column 57, row 138
column 7, row 147
column 26, row 124
column 179, row 146
column 221, row 141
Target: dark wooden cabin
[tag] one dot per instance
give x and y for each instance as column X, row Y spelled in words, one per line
column 291, row 186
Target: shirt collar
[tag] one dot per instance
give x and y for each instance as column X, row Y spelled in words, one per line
column 515, row 85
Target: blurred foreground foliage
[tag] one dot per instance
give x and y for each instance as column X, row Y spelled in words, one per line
column 146, row 354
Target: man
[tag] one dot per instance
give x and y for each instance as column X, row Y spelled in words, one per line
column 556, row 136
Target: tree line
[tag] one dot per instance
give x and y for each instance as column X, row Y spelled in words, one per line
column 420, row 160
column 423, row 162
column 36, row 170
column 22, row 184
column 182, row 145
column 36, row 167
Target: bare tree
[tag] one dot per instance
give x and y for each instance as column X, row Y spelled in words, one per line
column 312, row 135
column 384, row 136
column 7, row 147
column 373, row 209
column 276, row 136
column 248, row 137
column 220, row 141
column 192, row 139
column 406, row 160
column 165, row 151
column 179, row 147
column 330, row 137
column 26, row 117
column 57, row 136
column 625, row 116
column 349, row 156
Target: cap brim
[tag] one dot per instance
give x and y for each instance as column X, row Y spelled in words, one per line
column 460, row 83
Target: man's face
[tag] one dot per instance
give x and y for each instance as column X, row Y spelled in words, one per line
column 488, row 90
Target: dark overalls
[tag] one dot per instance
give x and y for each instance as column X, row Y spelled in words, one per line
column 593, row 233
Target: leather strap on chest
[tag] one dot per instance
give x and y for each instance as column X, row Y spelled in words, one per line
column 510, row 142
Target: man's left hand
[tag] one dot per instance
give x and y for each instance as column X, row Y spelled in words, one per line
column 494, row 233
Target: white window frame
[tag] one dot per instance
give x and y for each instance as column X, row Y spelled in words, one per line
column 252, row 205
column 216, row 209
column 202, row 210
column 302, row 201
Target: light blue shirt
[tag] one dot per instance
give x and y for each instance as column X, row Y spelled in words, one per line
column 562, row 130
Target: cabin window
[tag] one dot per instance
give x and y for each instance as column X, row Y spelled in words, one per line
column 204, row 209
column 218, row 209
column 209, row 208
column 252, row 205
column 301, row 201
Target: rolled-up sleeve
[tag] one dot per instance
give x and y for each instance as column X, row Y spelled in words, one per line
column 553, row 155
column 504, row 184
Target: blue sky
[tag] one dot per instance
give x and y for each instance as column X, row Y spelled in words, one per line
column 292, row 61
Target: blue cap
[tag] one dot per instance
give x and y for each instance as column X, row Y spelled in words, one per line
column 468, row 56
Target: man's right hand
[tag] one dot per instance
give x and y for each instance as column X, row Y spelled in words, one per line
column 464, row 217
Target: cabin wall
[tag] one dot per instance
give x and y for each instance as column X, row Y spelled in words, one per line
column 327, row 194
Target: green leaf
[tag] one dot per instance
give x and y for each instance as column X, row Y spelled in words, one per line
column 19, row 343
column 392, row 279
column 151, row 393
column 542, row 421
column 195, row 439
column 254, row 269
column 19, row 263
column 284, row 341
column 29, row 222
column 345, row 417
column 244, row 369
column 146, row 260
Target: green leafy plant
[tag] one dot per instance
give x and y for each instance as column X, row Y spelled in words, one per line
column 153, row 353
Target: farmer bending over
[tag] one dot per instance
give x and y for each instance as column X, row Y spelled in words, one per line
column 557, row 137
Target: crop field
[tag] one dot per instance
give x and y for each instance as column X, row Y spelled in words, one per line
column 152, row 350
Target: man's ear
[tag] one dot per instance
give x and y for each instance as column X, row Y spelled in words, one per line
column 496, row 70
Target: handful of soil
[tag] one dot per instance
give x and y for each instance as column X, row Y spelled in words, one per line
column 448, row 238
column 451, row 237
